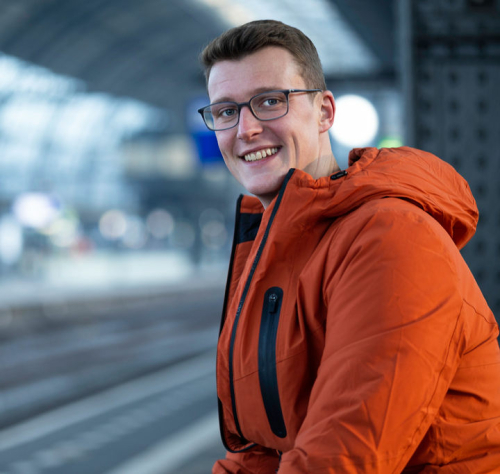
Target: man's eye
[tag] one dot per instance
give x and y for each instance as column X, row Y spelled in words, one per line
column 270, row 102
column 226, row 113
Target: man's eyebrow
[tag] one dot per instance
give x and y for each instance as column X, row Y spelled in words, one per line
column 253, row 93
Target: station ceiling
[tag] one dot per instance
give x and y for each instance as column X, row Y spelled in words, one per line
column 148, row 50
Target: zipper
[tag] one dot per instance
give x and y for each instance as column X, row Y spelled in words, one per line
column 240, row 307
column 230, row 272
column 223, row 320
column 268, row 376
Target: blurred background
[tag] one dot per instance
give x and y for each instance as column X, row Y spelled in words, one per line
column 116, row 210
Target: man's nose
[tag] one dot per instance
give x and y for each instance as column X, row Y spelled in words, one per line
column 248, row 125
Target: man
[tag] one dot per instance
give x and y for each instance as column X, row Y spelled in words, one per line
column 354, row 338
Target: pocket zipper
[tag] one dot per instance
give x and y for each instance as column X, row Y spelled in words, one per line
column 268, row 376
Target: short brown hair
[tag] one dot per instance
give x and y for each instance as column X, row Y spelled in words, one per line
column 246, row 39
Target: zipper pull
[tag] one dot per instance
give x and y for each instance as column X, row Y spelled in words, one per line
column 273, row 302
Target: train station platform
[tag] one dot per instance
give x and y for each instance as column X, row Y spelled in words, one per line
column 109, row 366
column 67, row 285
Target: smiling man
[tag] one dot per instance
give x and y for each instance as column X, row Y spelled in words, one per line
column 259, row 153
column 354, row 338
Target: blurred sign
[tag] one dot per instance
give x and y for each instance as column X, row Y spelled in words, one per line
column 204, row 139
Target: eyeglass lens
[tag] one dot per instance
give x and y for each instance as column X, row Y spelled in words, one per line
column 265, row 106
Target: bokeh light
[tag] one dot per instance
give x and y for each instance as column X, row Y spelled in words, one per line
column 356, row 121
column 135, row 236
column 36, row 210
column 113, row 224
column 160, row 223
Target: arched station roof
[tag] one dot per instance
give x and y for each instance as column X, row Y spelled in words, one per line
column 147, row 50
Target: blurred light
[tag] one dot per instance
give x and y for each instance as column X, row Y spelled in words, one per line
column 214, row 235
column 63, row 232
column 36, row 209
column 42, row 110
column 160, row 223
column 356, row 121
column 26, row 118
column 209, row 215
column 17, row 76
column 11, row 240
column 390, row 142
column 230, row 12
column 135, row 236
column 213, row 230
column 184, row 235
column 113, row 224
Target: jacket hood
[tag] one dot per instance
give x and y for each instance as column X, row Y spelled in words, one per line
column 406, row 173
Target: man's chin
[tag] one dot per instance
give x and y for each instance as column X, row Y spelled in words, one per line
column 265, row 191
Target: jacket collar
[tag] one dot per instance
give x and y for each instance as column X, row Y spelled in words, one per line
column 406, row 173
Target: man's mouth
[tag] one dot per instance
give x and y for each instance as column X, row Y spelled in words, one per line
column 259, row 155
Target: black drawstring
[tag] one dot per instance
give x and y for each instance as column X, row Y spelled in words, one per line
column 279, row 453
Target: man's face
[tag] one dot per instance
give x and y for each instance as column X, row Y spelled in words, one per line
column 296, row 136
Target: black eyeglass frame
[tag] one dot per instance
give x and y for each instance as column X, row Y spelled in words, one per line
column 240, row 105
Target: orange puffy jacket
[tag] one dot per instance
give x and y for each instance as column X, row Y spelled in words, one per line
column 354, row 338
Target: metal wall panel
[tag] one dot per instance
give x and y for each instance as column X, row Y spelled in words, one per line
column 450, row 56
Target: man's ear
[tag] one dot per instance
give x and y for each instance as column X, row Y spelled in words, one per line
column 327, row 113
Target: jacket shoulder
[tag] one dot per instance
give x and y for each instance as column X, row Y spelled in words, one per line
column 394, row 224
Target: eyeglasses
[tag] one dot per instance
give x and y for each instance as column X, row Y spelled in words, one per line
column 269, row 105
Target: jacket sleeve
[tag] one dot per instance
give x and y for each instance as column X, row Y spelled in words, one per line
column 392, row 344
column 259, row 460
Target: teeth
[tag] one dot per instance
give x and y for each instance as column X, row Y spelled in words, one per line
column 260, row 154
